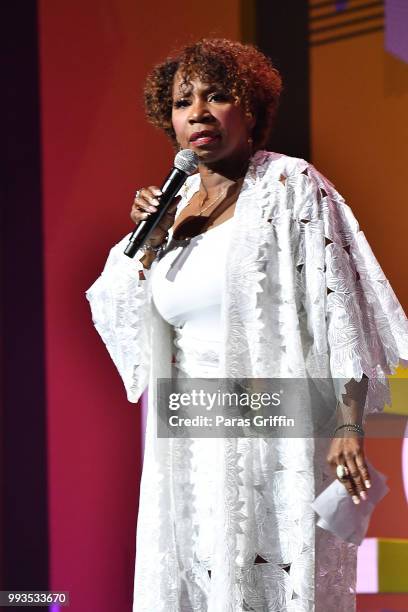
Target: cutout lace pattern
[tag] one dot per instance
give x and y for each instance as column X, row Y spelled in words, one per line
column 304, row 296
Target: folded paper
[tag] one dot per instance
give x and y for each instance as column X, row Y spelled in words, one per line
column 339, row 514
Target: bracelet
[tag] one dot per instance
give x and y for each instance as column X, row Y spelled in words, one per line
column 155, row 249
column 350, row 427
column 150, row 253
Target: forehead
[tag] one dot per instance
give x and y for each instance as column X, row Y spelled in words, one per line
column 193, row 83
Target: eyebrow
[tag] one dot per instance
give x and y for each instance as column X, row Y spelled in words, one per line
column 188, row 90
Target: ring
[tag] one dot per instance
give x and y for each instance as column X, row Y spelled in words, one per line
column 137, row 194
column 341, row 472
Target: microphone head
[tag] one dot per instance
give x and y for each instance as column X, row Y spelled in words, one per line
column 186, row 161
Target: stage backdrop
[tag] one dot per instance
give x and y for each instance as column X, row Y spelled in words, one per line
column 97, row 149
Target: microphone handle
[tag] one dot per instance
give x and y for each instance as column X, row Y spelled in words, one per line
column 171, row 187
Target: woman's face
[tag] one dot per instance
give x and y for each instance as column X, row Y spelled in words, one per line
column 210, row 121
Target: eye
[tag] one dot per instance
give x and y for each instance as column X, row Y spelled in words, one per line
column 219, row 96
column 182, row 102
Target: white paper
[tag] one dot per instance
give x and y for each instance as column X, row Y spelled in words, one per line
column 340, row 515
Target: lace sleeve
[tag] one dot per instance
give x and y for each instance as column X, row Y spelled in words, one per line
column 121, row 313
column 367, row 329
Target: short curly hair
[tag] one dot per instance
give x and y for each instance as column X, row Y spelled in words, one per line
column 238, row 68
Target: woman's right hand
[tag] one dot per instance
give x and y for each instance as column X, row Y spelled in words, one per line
column 146, row 203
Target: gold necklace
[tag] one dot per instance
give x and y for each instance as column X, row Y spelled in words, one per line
column 217, row 199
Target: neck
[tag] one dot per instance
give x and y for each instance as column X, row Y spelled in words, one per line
column 224, row 173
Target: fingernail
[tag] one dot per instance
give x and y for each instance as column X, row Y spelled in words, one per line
column 157, row 192
column 356, row 499
column 145, row 215
column 363, row 495
column 367, row 484
column 152, row 208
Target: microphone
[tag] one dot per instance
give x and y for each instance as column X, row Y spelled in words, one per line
column 185, row 163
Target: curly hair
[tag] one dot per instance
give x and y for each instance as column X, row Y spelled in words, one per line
column 241, row 69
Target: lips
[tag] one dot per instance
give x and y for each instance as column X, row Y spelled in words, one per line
column 204, row 136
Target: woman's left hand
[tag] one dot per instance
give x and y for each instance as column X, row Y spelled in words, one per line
column 348, row 451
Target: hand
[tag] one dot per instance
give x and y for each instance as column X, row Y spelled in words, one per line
column 146, row 203
column 349, row 452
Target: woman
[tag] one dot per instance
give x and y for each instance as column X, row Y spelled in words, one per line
column 264, row 274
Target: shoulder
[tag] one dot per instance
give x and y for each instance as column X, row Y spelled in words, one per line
column 269, row 163
column 296, row 174
column 292, row 183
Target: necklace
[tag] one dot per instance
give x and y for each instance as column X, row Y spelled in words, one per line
column 216, row 201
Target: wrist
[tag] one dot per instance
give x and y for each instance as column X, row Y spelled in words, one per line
column 147, row 259
column 151, row 251
column 156, row 243
column 352, row 413
column 348, row 427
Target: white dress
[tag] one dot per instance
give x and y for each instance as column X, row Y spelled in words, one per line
column 186, row 289
column 303, row 295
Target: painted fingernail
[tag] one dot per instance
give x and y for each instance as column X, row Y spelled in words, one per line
column 356, row 499
column 367, row 484
column 152, row 208
column 363, row 495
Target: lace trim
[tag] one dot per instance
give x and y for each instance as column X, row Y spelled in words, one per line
column 322, row 304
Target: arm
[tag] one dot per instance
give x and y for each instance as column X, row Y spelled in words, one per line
column 121, row 302
column 367, row 330
column 121, row 312
column 347, row 447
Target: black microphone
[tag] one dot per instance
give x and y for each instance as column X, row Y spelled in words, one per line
column 185, row 163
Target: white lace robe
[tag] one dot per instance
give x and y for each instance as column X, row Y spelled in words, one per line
column 303, row 297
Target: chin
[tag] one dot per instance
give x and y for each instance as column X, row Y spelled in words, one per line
column 208, row 155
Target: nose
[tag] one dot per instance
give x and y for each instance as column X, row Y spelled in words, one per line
column 199, row 112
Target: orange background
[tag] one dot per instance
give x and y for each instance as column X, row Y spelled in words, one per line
column 359, row 133
column 359, row 102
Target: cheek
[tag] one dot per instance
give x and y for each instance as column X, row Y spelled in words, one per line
column 177, row 126
column 235, row 122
